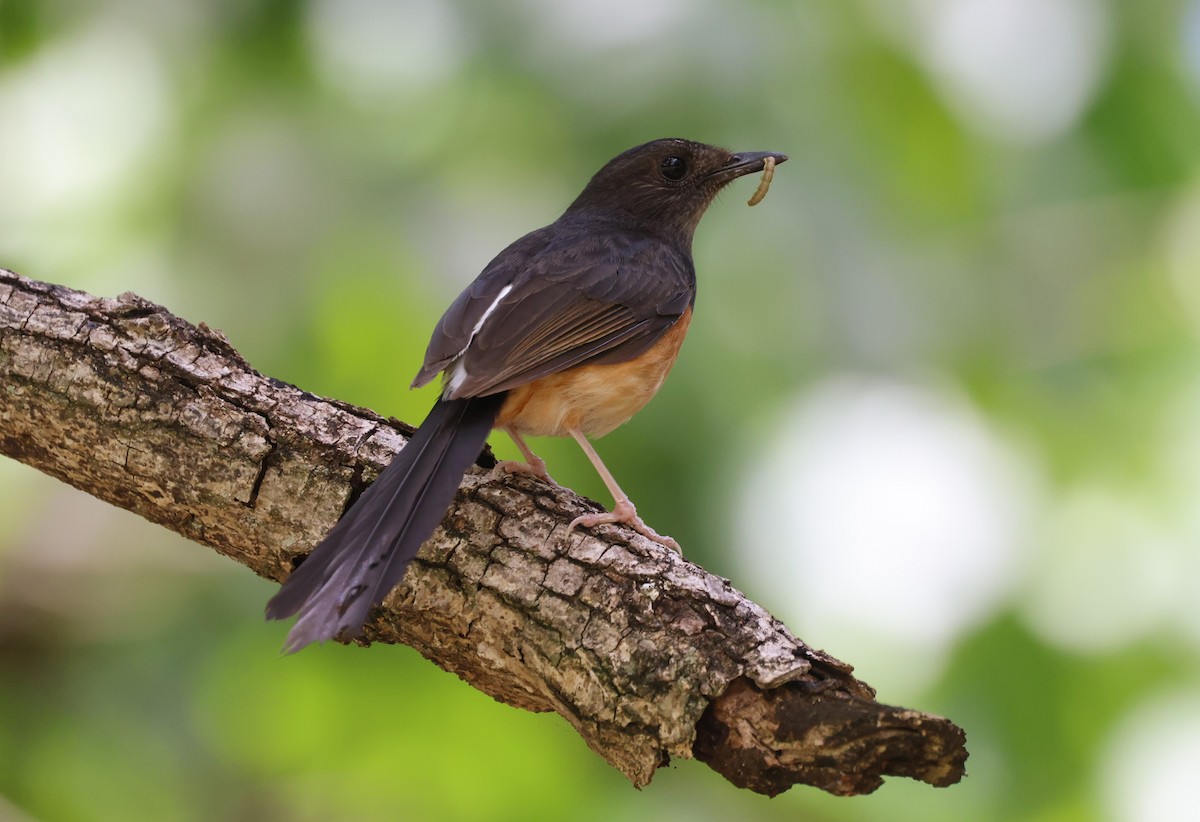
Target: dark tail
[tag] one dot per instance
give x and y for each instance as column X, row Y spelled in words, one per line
column 366, row 553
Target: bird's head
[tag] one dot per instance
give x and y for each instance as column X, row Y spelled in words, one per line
column 667, row 184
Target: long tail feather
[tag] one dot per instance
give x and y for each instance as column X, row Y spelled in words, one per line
column 367, row 552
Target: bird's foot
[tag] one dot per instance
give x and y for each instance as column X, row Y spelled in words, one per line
column 535, row 468
column 624, row 512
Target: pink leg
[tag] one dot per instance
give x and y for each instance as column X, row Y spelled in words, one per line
column 534, row 465
column 623, row 510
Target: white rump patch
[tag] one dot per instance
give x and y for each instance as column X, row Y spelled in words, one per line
column 454, row 380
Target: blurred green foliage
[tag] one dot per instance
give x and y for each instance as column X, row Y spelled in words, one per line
column 973, row 208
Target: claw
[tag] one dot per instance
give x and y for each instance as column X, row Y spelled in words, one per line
column 626, row 514
column 531, row 469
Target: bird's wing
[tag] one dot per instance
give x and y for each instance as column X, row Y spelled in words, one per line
column 544, row 306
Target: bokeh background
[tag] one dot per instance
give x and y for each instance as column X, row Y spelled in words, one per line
column 939, row 409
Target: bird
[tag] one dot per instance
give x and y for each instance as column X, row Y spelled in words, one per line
column 569, row 331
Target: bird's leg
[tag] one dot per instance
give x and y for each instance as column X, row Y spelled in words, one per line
column 534, row 465
column 623, row 510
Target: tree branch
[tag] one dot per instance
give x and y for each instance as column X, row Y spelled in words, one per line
column 647, row 655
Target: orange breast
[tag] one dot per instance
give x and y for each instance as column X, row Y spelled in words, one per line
column 594, row 399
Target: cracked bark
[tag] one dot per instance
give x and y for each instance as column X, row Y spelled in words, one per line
column 646, row 655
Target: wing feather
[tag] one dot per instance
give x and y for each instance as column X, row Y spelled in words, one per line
column 605, row 298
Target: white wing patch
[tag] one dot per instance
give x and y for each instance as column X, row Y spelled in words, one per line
column 503, row 293
column 457, row 373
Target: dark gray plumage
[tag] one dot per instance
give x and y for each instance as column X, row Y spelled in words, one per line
column 599, row 286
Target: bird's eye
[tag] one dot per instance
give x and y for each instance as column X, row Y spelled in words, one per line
column 673, row 168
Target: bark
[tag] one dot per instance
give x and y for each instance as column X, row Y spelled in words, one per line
column 646, row 655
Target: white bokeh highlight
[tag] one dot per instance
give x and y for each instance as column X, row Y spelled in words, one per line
column 80, row 121
column 385, row 48
column 1148, row 771
column 1181, row 468
column 905, row 512
column 1106, row 572
column 1015, row 71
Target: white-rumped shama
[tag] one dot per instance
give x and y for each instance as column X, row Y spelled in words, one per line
column 567, row 332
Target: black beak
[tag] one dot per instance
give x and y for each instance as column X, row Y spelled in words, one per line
column 747, row 162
